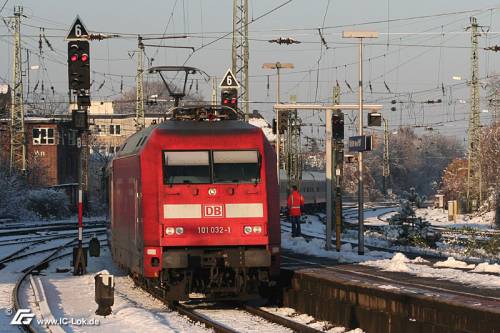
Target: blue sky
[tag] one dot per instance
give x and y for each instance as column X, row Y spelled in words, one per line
column 418, row 54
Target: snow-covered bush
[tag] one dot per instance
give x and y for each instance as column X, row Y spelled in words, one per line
column 407, row 229
column 48, row 203
column 13, row 189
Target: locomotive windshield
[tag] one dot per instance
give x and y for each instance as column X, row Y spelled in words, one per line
column 236, row 166
column 198, row 167
column 186, row 167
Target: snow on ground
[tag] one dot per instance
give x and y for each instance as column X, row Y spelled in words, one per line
column 134, row 310
column 371, row 216
column 8, row 277
column 439, row 217
column 399, row 263
column 316, row 247
column 487, row 268
column 305, row 319
column 453, row 263
column 243, row 321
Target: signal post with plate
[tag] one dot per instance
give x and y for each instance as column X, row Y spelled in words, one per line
column 229, row 91
column 79, row 85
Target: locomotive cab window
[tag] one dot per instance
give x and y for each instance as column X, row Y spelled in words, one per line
column 186, row 167
column 236, row 166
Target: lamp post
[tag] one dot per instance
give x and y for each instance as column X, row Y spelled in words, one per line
column 360, row 35
column 277, row 65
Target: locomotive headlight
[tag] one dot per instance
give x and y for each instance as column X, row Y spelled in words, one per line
column 257, row 229
column 179, row 230
column 169, row 231
column 247, row 230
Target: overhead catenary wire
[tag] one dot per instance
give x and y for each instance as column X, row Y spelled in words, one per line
column 120, row 76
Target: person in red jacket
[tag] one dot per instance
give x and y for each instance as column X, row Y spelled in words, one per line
column 295, row 204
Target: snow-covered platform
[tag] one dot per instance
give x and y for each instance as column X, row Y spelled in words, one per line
column 393, row 295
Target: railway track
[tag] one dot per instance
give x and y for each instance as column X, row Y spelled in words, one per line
column 55, row 254
column 239, row 318
column 26, row 240
column 24, row 230
column 230, row 317
column 18, row 254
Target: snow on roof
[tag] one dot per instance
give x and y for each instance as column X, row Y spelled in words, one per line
column 266, row 128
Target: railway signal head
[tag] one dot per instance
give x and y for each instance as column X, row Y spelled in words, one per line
column 338, row 126
column 229, row 97
column 374, row 119
column 79, row 65
column 282, row 126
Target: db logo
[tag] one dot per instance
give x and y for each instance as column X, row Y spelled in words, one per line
column 213, row 211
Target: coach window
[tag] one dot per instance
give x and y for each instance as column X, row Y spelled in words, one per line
column 236, row 166
column 43, row 136
column 186, row 167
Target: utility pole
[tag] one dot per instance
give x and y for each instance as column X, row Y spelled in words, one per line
column 337, row 170
column 360, row 35
column 140, row 121
column 473, row 148
column 240, row 51
column 17, row 134
column 386, row 171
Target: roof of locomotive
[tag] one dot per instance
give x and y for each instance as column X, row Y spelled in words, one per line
column 136, row 141
column 206, row 127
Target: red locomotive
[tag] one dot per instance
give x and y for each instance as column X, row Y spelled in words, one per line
column 195, row 206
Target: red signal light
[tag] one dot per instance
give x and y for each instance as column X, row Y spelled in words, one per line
column 85, row 57
column 225, row 101
column 74, row 57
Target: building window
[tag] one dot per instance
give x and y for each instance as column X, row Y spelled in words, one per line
column 43, row 136
column 114, row 129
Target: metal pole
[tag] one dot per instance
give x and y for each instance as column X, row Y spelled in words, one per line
column 214, row 91
column 329, row 181
column 385, row 167
column 361, row 239
column 79, row 264
column 338, row 160
column 278, row 138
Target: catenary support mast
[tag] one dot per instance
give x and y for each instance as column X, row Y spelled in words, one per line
column 17, row 134
column 240, row 51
